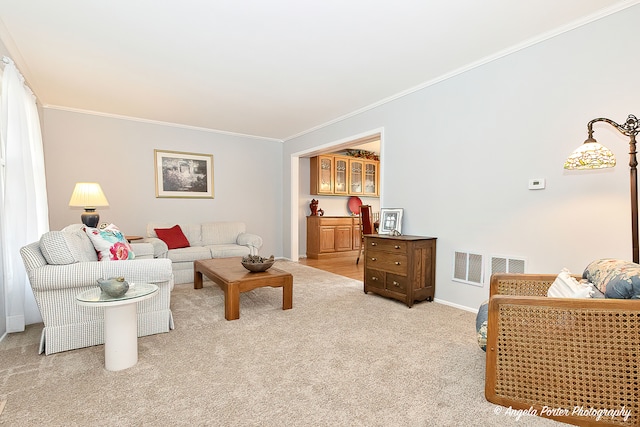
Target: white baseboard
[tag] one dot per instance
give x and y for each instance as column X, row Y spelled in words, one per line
column 451, row 304
column 15, row 323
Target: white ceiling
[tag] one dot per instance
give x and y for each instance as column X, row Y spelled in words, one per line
column 272, row 69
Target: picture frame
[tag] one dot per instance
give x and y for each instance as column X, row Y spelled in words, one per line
column 183, row 175
column 390, row 220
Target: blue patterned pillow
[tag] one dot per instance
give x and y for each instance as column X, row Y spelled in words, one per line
column 481, row 325
column 615, row 278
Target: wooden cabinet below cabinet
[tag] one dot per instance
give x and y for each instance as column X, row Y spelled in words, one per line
column 400, row 267
column 332, row 236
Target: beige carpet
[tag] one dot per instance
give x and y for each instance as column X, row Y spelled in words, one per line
column 338, row 358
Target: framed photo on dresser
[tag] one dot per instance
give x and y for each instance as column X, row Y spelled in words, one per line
column 390, row 221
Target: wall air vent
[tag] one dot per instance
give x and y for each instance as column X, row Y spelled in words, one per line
column 468, row 268
column 507, row 264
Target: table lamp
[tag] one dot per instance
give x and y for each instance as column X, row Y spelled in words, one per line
column 88, row 195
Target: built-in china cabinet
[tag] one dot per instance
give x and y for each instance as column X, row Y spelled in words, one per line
column 333, row 174
column 332, row 236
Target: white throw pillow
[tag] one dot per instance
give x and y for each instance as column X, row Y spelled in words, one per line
column 566, row 286
column 67, row 247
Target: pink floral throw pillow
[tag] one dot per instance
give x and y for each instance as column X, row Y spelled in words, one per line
column 110, row 243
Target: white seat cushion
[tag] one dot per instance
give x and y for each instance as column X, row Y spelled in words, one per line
column 225, row 251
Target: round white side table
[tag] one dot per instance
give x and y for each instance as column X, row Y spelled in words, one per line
column 120, row 322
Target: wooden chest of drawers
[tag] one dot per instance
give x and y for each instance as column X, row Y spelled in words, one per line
column 400, row 267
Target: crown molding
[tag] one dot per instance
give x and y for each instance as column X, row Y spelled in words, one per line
column 158, row 122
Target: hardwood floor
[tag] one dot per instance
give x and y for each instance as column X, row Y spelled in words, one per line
column 343, row 266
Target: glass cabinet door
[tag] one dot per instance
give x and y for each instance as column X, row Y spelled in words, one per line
column 370, row 178
column 355, row 176
column 342, row 175
column 325, row 178
column 341, row 168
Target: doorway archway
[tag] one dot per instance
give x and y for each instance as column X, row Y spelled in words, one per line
column 344, row 143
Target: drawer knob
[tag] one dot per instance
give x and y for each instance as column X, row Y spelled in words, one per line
column 374, row 259
column 374, row 278
column 397, row 247
column 397, row 262
column 374, row 244
column 396, row 283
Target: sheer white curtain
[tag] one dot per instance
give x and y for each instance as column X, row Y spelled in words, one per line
column 24, row 215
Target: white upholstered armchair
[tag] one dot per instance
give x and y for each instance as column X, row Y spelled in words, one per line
column 63, row 264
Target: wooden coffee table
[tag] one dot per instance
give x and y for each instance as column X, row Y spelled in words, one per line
column 233, row 279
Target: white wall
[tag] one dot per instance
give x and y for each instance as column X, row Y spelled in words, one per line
column 458, row 155
column 119, row 154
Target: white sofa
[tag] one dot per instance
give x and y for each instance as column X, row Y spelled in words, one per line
column 206, row 241
column 64, row 263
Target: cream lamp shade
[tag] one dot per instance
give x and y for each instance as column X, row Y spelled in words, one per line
column 88, row 195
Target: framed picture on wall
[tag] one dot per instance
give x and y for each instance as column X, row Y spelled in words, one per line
column 390, row 220
column 185, row 175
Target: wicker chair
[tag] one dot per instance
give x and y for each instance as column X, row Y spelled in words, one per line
column 563, row 358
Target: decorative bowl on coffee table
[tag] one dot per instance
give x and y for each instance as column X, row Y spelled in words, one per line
column 256, row 264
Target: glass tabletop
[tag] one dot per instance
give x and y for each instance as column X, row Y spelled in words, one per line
column 136, row 290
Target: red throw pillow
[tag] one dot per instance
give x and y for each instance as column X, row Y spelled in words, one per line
column 173, row 237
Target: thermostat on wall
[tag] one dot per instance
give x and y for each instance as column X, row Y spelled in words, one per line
column 536, row 184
